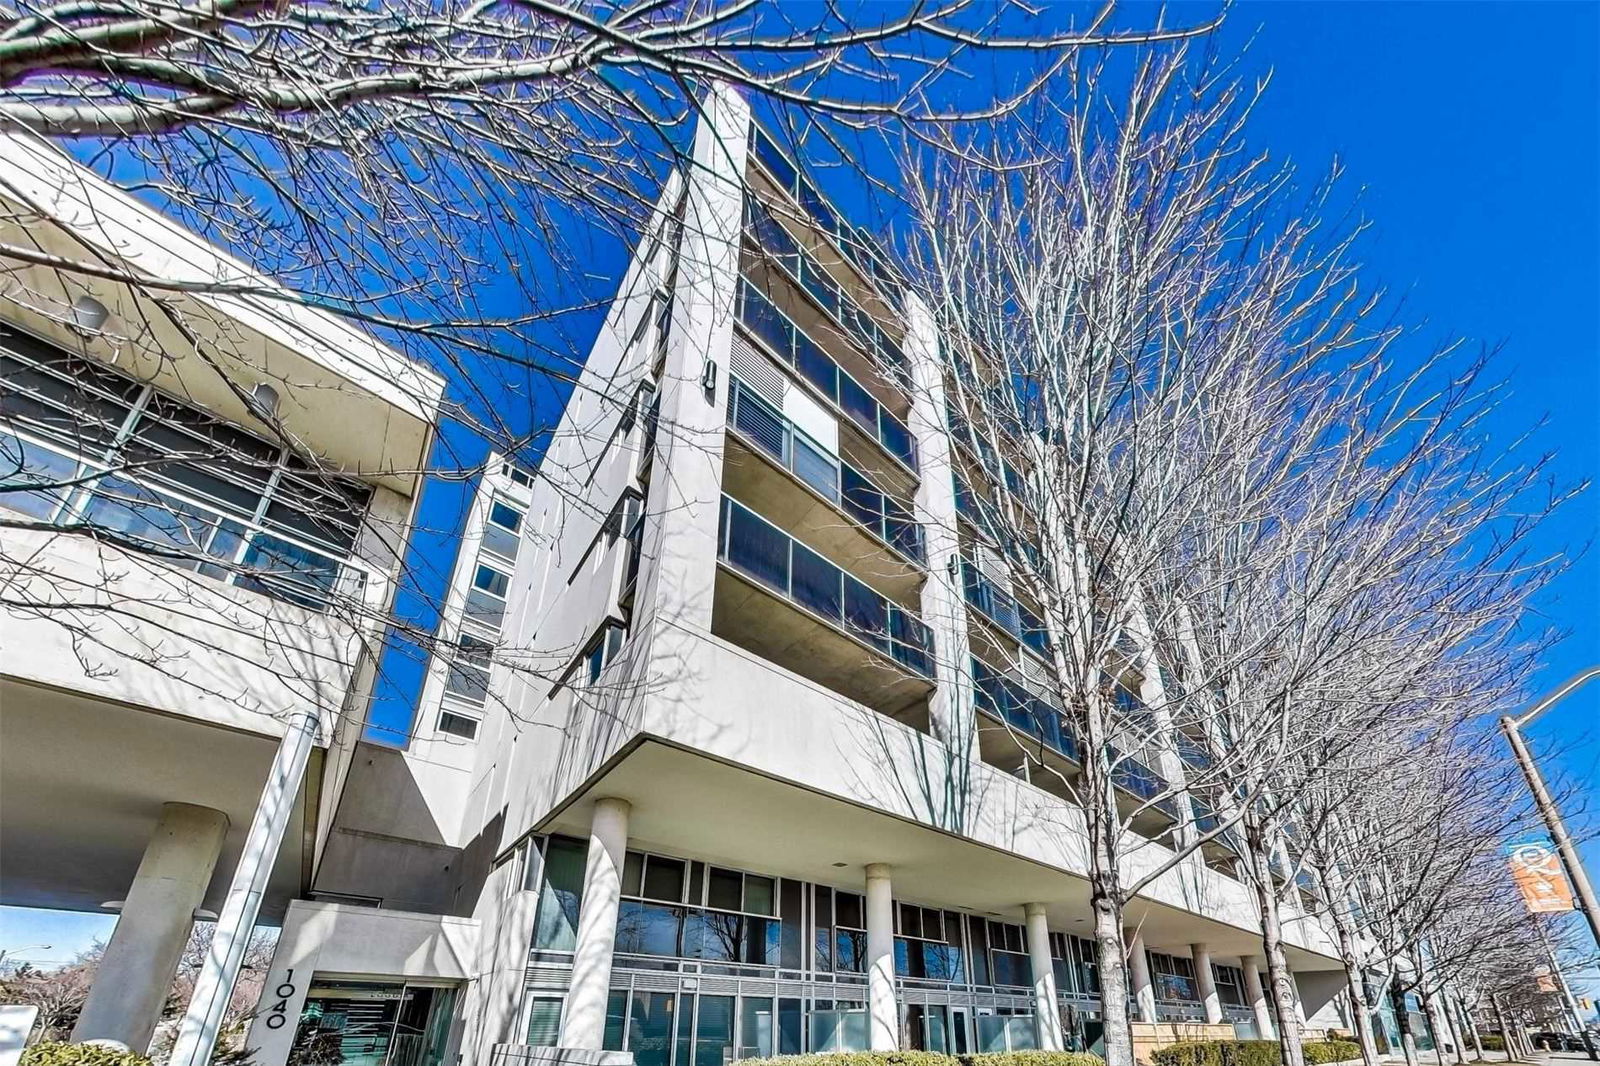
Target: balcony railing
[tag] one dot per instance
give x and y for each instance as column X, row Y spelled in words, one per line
column 1003, row 609
column 790, row 343
column 767, row 555
column 1021, row 709
column 1206, row 820
column 854, row 242
column 772, row 239
column 764, row 427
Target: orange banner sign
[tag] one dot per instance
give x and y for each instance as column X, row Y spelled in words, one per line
column 1536, row 868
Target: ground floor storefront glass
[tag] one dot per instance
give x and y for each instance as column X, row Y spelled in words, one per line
column 373, row 1023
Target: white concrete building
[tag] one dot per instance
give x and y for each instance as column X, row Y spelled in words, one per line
column 206, row 494
column 737, row 783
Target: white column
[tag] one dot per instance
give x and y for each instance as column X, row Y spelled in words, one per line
column 142, row 956
column 1251, row 965
column 883, row 1008
column 950, row 709
column 213, row 988
column 1046, row 1009
column 1206, row 981
column 583, row 1023
column 1144, row 993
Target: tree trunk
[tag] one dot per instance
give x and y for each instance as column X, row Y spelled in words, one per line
column 1113, row 976
column 1360, row 1011
column 1472, row 1029
column 1402, row 1020
column 1282, row 981
column 1505, row 1030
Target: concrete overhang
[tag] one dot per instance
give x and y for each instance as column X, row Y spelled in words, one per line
column 688, row 804
column 84, row 783
column 356, row 403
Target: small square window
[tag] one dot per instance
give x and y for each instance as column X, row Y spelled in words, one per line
column 491, row 581
column 663, row 879
column 505, row 516
column 458, row 725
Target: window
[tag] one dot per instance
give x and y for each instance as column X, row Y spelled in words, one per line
column 1174, row 976
column 501, row 534
column 544, row 1021
column 517, row 474
column 601, row 651
column 242, row 509
column 491, row 581
column 458, row 725
column 1230, row 985
column 505, row 516
column 468, row 676
column 561, row 894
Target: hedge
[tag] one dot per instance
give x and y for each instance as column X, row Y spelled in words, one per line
column 1250, row 1053
column 59, row 1053
column 1319, row 1052
column 1218, row 1053
column 1034, row 1058
column 933, row 1058
column 1492, row 1041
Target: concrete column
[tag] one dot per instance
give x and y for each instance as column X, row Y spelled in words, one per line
column 1144, row 992
column 950, row 710
column 1045, row 1006
column 1206, row 982
column 142, row 956
column 883, row 1007
column 583, row 1025
column 1251, row 965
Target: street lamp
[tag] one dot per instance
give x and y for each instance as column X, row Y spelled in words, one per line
column 1547, row 806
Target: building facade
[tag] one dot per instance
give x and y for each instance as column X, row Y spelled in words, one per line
column 207, row 488
column 737, row 745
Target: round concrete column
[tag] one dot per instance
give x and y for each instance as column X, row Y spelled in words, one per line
column 142, row 956
column 1257, row 996
column 1206, row 982
column 583, row 1025
column 883, row 1007
column 1144, row 993
column 1046, row 1010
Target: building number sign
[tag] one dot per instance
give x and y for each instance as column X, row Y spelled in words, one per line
column 278, row 1013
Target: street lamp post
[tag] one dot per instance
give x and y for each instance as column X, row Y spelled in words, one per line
column 1546, row 805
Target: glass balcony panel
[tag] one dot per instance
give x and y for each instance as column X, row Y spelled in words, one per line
column 773, row 159
column 861, row 499
column 502, row 542
column 148, row 517
column 23, row 464
column 897, row 438
column 289, row 571
column 816, row 467
column 815, row 366
column 758, row 549
column 766, row 321
column 865, row 613
column 484, row 608
column 817, row 584
column 858, row 403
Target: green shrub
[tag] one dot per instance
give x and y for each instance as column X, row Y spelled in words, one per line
column 1319, row 1052
column 860, row 1058
column 1034, row 1058
column 1218, row 1053
column 58, row 1053
column 1492, row 1041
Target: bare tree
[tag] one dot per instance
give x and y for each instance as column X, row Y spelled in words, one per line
column 1249, row 537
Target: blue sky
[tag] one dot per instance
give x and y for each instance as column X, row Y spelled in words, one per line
column 1473, row 130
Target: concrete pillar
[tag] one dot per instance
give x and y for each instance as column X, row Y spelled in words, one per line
column 583, row 1025
column 883, row 1007
column 951, row 711
column 1045, row 1006
column 142, row 956
column 1206, row 981
column 1251, row 965
column 1144, row 992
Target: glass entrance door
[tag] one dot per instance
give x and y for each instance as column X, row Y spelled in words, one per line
column 373, row 1023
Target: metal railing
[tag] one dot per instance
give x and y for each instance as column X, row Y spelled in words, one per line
column 786, row 340
column 764, row 427
column 767, row 555
column 1004, row 610
column 1021, row 709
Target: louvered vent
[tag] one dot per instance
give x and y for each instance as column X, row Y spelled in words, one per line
column 757, row 371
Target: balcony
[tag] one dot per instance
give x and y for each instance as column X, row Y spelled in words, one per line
column 759, row 428
column 1003, row 610
column 855, row 243
column 792, row 346
column 784, row 601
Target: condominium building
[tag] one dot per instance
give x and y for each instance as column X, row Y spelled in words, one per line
column 737, row 743
column 206, row 491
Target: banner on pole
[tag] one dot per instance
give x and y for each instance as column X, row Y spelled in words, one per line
column 1536, row 868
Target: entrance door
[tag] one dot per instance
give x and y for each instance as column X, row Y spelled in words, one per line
column 960, row 1031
